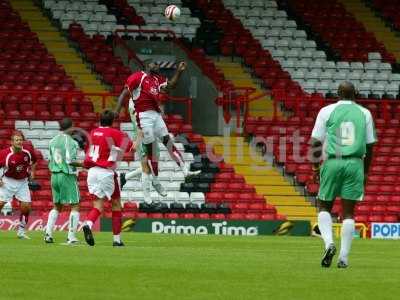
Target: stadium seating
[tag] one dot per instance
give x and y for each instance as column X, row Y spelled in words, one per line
column 153, row 14
column 300, row 57
column 388, row 10
column 100, row 55
column 90, row 14
column 30, row 77
column 334, row 24
column 40, row 133
column 94, row 48
column 98, row 52
column 276, row 50
column 96, row 19
column 33, row 68
column 308, row 105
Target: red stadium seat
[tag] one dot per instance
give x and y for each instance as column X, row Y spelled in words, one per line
column 267, row 216
column 171, row 216
column 240, row 206
column 217, row 216
column 391, row 218
column 236, row 216
column 202, row 216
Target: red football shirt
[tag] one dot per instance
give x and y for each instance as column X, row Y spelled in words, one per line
column 108, row 146
column 17, row 164
column 145, row 90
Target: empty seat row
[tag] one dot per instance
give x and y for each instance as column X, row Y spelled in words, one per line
column 171, row 197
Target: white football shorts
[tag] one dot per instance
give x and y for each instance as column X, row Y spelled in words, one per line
column 152, row 125
column 15, row 187
column 102, row 183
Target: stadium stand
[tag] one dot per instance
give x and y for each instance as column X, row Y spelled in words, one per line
column 374, row 24
column 334, row 24
column 244, row 36
column 388, row 10
column 95, row 19
column 39, row 128
column 307, row 65
column 307, row 107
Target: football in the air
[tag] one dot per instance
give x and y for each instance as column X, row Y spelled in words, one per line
column 172, row 12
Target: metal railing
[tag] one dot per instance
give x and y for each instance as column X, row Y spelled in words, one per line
column 72, row 99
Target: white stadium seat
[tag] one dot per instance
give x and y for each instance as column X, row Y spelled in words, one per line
column 392, row 89
column 21, row 125
column 37, row 125
column 329, row 65
column 197, row 197
column 182, row 197
column 382, row 77
column 374, row 56
column 48, row 134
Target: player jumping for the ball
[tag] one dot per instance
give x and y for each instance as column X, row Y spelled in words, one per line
column 144, row 170
column 143, row 89
column 17, row 165
column 347, row 129
column 107, row 147
column 63, row 162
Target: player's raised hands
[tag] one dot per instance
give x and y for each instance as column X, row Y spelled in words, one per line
column 182, row 66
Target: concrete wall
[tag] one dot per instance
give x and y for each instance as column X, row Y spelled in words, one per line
column 192, row 84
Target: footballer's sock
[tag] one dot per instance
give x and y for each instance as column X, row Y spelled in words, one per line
column 155, row 180
column 152, row 162
column 133, row 174
column 117, row 238
column 51, row 221
column 23, row 220
column 92, row 217
column 325, row 226
column 116, row 222
column 346, row 239
column 176, row 155
column 73, row 224
column 146, row 187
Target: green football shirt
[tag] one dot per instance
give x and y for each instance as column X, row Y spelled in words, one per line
column 345, row 128
column 63, row 150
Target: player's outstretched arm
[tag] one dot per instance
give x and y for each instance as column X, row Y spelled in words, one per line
column 174, row 80
column 121, row 99
column 368, row 160
column 1, row 175
column 33, row 171
column 316, row 155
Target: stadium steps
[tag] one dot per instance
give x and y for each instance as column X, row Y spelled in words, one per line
column 234, row 72
column 266, row 179
column 374, row 24
column 60, row 48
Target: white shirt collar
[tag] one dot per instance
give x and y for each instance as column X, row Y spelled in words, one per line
column 345, row 101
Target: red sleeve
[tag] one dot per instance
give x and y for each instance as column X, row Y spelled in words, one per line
column 87, row 162
column 122, row 140
column 133, row 81
column 162, row 82
column 28, row 146
column 3, row 155
column 89, row 142
column 33, row 155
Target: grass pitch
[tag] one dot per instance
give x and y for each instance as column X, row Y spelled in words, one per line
column 187, row 267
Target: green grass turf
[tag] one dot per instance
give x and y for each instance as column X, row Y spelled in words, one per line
column 187, row 267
